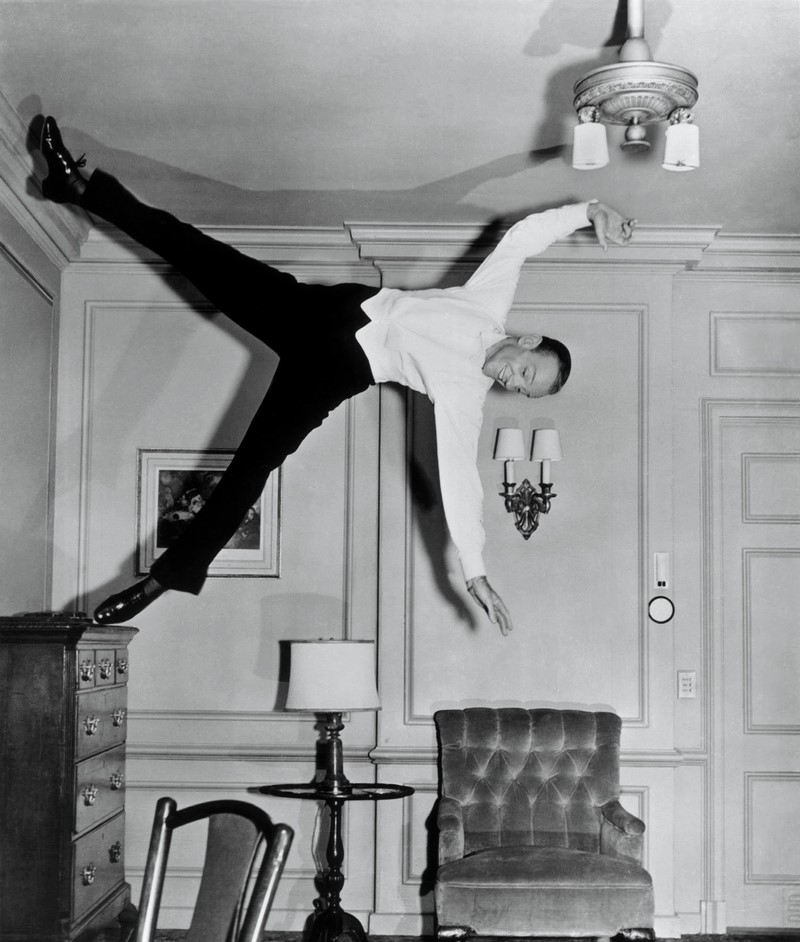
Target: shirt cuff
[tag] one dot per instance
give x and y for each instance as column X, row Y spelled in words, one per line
column 581, row 218
column 472, row 565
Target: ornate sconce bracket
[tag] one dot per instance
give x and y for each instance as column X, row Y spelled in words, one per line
column 526, row 503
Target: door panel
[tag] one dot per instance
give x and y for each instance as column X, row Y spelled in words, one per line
column 759, row 609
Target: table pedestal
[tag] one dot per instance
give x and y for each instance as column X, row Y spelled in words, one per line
column 332, row 923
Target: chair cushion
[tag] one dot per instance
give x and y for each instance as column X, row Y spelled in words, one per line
column 543, row 890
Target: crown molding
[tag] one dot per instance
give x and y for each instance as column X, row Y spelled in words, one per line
column 55, row 230
column 390, row 243
column 753, row 252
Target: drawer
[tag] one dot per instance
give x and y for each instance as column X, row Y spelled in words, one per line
column 121, row 661
column 86, row 668
column 97, row 865
column 102, row 720
column 99, row 788
column 105, row 667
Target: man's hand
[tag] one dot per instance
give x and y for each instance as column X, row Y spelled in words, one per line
column 610, row 225
column 491, row 603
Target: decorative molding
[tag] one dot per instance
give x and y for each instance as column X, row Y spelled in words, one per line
column 228, row 752
column 407, row 876
column 761, row 319
column 224, row 716
column 420, row 755
column 233, row 751
column 187, row 785
column 748, row 555
column 383, row 242
column 750, row 873
column 748, row 252
column 748, row 463
column 26, row 274
column 93, row 310
column 310, row 253
column 413, row 717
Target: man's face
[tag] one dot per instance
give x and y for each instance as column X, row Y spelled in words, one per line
column 520, row 369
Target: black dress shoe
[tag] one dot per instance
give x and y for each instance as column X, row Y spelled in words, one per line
column 127, row 604
column 64, row 183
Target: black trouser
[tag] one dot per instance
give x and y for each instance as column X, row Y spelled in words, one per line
column 311, row 328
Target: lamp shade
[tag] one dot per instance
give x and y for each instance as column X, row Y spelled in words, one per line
column 332, row 677
column 589, row 146
column 682, row 147
column 509, row 445
column 546, row 445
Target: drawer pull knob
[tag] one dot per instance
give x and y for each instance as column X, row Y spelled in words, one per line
column 118, row 717
column 115, row 852
column 116, row 781
column 91, row 725
column 122, row 666
column 89, row 794
column 87, row 670
column 87, row 875
column 105, row 668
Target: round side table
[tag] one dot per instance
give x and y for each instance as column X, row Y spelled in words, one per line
column 331, row 922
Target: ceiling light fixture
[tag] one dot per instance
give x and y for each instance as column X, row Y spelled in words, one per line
column 636, row 92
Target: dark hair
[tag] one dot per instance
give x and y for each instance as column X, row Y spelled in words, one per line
column 558, row 350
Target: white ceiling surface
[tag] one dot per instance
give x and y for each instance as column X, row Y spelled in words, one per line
column 315, row 112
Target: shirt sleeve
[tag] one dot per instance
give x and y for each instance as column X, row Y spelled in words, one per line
column 458, row 427
column 496, row 278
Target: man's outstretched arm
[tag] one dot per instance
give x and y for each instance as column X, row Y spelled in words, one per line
column 495, row 280
column 457, row 432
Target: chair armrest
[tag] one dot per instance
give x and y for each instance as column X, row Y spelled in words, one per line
column 620, row 832
column 450, row 822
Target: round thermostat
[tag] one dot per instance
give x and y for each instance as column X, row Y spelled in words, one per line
column 660, row 609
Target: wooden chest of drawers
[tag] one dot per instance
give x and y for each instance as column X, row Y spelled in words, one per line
column 63, row 722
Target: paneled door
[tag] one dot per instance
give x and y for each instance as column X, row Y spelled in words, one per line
column 758, row 609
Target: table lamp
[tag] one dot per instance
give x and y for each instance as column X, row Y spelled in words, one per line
column 332, row 677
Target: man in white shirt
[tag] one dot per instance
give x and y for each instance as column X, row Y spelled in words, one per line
column 334, row 342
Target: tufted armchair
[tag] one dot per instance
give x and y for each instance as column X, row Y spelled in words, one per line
column 532, row 837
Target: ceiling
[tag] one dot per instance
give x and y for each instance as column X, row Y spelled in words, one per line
column 315, row 112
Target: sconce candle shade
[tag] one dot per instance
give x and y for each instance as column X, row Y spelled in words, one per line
column 589, row 146
column 509, row 445
column 546, row 445
column 682, row 147
column 332, row 677
column 546, row 448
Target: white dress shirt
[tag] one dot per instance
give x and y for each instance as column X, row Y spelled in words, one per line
column 435, row 342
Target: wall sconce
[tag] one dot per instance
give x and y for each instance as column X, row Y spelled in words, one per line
column 636, row 92
column 524, row 501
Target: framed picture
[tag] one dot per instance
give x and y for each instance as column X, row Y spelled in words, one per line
column 173, row 486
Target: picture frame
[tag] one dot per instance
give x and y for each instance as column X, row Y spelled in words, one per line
column 173, row 484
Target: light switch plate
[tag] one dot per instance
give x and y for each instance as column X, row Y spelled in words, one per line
column 687, row 685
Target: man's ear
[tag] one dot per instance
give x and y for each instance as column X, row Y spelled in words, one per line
column 529, row 341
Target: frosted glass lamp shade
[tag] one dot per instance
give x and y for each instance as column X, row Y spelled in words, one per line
column 589, row 146
column 546, row 445
column 509, row 445
column 682, row 147
column 332, row 677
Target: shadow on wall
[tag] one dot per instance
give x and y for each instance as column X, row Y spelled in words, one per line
column 565, row 23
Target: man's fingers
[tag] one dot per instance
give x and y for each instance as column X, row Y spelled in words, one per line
column 503, row 617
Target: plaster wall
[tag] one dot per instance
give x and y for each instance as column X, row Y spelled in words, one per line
column 144, row 364
column 26, row 392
